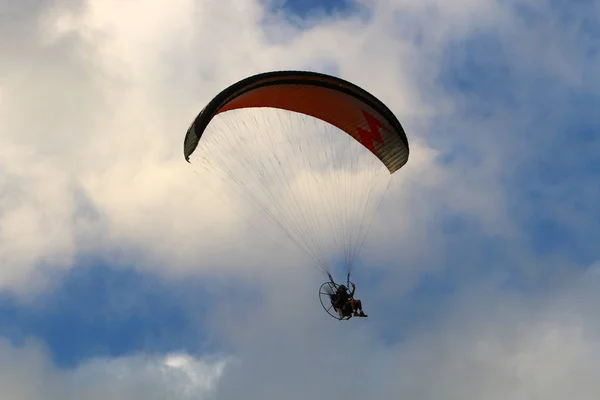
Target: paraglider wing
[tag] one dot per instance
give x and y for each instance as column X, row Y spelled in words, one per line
column 331, row 99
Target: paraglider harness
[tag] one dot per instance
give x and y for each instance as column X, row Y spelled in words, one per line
column 328, row 293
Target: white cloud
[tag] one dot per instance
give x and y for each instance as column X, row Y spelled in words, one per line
column 29, row 374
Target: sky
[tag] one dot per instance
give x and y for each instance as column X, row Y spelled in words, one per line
column 122, row 277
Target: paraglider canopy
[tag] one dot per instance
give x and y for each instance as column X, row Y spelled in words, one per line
column 331, row 99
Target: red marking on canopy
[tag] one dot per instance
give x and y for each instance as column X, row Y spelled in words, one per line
column 368, row 136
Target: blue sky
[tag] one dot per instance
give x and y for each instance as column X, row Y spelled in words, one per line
column 101, row 311
column 308, row 7
column 504, row 217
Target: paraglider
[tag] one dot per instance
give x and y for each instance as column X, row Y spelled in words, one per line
column 313, row 153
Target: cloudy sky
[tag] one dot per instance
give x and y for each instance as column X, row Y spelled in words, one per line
column 121, row 278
